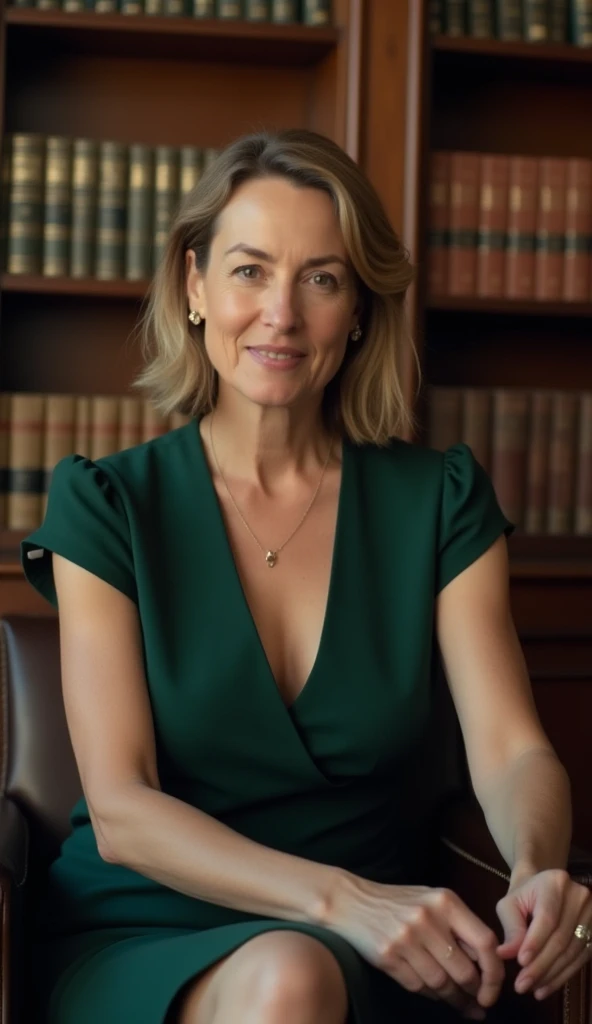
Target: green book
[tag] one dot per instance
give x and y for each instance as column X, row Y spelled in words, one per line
column 229, row 9
column 581, row 22
column 154, row 7
column 456, row 21
column 284, row 12
column 509, row 19
column 140, row 206
column 57, row 206
column 316, row 12
column 204, row 8
column 166, row 196
column 174, row 8
column 85, row 179
column 558, row 21
column 257, row 10
column 25, row 204
column 480, row 19
column 111, row 211
column 190, row 168
column 536, row 21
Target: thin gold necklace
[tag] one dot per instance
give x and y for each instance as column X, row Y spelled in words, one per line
column 271, row 557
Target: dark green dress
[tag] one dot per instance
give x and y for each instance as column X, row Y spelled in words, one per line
column 326, row 779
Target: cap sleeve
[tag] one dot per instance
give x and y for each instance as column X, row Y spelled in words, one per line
column 471, row 518
column 85, row 522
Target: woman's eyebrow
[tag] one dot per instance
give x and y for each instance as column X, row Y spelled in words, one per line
column 259, row 254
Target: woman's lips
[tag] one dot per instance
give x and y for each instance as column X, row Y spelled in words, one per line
column 276, row 358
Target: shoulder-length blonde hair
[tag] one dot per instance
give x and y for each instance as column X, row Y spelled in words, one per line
column 365, row 400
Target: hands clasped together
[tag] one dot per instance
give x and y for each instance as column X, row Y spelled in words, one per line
column 429, row 941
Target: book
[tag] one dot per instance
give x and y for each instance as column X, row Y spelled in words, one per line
column 537, row 467
column 558, row 21
column 510, row 409
column 550, row 228
column 480, row 19
column 85, row 180
column 521, row 227
column 493, row 218
column 536, row 24
column 25, row 461
column 58, row 438
column 284, row 11
column 463, row 221
column 578, row 230
column 455, row 15
column 104, row 425
column 476, row 423
column 25, row 204
column 581, row 22
column 509, row 20
column 583, row 496
column 438, row 212
column 139, row 234
column 257, row 10
column 316, row 12
column 57, row 206
column 562, row 461
column 130, row 422
column 445, row 417
column 166, row 194
column 111, row 210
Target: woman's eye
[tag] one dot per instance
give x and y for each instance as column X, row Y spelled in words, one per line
column 324, row 280
column 248, row 272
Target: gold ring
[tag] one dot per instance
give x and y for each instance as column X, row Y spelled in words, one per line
column 584, row 933
column 449, row 952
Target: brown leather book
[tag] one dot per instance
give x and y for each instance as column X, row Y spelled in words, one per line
column 493, row 217
column 537, row 468
column 104, row 430
column 477, row 424
column 60, row 413
column 25, row 461
column 550, row 229
column 464, row 217
column 4, row 453
column 445, row 410
column 438, row 212
column 562, row 461
column 521, row 230
column 82, row 426
column 130, row 421
column 583, row 501
column 578, row 230
column 153, row 422
column 509, row 450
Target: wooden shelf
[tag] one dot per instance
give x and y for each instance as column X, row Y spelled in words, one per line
column 236, row 41
column 38, row 284
column 502, row 49
column 509, row 307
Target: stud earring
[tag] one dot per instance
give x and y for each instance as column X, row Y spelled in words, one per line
column 356, row 334
column 195, row 317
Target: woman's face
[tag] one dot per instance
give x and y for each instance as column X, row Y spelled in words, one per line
column 278, row 295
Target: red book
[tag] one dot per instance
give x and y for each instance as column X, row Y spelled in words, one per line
column 464, row 215
column 578, row 229
column 438, row 206
column 520, row 237
column 493, row 216
column 550, row 229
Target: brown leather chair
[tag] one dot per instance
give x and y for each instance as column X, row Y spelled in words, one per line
column 40, row 784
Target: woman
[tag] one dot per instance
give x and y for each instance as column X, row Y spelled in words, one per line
column 247, row 607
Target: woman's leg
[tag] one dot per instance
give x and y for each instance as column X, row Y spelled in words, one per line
column 276, row 978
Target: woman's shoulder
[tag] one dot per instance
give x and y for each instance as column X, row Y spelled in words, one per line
column 162, row 457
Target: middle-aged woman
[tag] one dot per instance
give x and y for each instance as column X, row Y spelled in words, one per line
column 248, row 608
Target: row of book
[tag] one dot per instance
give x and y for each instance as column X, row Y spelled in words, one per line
column 533, row 21
column 515, row 227
column 309, row 12
column 37, row 430
column 535, row 444
column 87, row 208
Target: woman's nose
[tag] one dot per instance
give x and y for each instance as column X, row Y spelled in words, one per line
column 281, row 310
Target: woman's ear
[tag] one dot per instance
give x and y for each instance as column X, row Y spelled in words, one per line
column 195, row 284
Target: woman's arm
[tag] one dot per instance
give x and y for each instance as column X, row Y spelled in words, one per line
column 135, row 823
column 520, row 783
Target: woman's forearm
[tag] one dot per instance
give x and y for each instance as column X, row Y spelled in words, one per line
column 190, row 851
column 528, row 812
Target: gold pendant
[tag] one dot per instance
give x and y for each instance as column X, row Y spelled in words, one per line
column 271, row 558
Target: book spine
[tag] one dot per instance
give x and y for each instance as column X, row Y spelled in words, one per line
column 435, row 17
column 174, row 8
column 284, row 12
column 131, row 7
column 111, row 211
column 25, row 461
column 536, row 21
column 257, row 10
column 477, row 425
column 82, row 426
column 104, row 425
column 138, row 254
column 438, row 212
column 509, row 19
column 521, row 230
column 581, row 22
column 480, row 19
column 445, row 417
column 130, row 422
column 493, row 217
column 154, row 8
column 25, row 204
column 229, row 9
column 47, row 5
column 583, row 499
column 550, row 230
column 4, row 457
column 204, row 8
column 57, row 206
column 154, row 424
column 5, row 198
column 509, row 450
column 105, row 6
column 537, row 468
column 85, row 178
column 562, row 462
column 166, row 192
column 190, row 168
column 60, row 412
column 316, row 12
column 578, row 230
column 464, row 213
column 456, row 17
column 558, row 28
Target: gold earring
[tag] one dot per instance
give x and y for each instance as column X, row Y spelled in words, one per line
column 195, row 317
column 356, row 334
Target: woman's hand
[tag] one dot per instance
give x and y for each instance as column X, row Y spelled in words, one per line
column 547, row 947
column 425, row 938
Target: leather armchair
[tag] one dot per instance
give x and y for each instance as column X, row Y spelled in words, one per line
column 39, row 785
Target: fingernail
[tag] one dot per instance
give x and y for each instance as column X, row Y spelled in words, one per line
column 522, row 984
column 525, row 958
column 540, row 993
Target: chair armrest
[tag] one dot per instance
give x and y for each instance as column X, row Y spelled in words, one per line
column 14, row 842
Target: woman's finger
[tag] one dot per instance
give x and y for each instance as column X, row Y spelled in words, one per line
column 569, row 957
column 550, row 891
column 472, row 932
column 576, row 907
column 541, row 992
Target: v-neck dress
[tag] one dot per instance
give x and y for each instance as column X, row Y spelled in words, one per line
column 328, row 778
